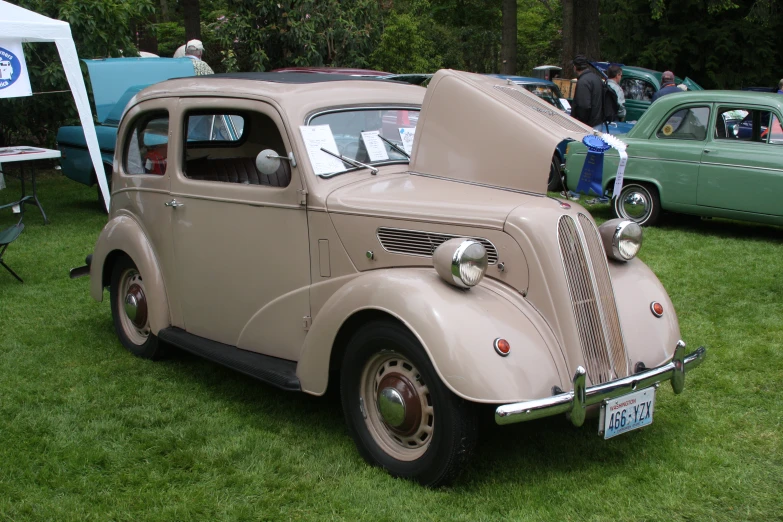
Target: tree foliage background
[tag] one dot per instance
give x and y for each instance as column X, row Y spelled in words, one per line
column 718, row 43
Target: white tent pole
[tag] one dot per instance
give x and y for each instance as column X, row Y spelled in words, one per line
column 73, row 72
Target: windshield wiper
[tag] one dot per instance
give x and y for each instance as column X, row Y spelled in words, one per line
column 395, row 147
column 351, row 162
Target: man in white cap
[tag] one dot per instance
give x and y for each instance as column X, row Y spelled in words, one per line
column 194, row 50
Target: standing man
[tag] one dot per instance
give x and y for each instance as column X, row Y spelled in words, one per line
column 588, row 98
column 615, row 74
column 195, row 50
column 780, row 87
column 667, row 85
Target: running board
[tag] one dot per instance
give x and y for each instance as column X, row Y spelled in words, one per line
column 271, row 370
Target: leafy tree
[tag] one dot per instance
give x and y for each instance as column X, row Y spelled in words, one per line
column 264, row 34
column 100, row 28
column 406, row 45
column 539, row 34
column 724, row 50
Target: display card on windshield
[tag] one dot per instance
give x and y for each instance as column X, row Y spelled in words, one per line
column 376, row 149
column 407, row 139
column 315, row 137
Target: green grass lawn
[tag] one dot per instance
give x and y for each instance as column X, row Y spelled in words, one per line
column 88, row 432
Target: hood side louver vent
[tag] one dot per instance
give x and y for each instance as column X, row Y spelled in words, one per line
column 423, row 244
column 538, row 110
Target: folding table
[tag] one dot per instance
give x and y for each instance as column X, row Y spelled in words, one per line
column 26, row 154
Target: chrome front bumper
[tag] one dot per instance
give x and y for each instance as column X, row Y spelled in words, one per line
column 576, row 402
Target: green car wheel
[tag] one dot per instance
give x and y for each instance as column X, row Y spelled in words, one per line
column 638, row 202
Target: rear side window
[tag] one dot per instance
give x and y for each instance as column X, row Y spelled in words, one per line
column 635, row 89
column 215, row 127
column 686, row 124
column 146, row 151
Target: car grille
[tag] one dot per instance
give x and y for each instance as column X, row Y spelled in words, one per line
column 421, row 243
column 592, row 299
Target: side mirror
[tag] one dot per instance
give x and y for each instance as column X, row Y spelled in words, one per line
column 267, row 162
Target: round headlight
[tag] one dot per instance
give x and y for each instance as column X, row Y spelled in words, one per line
column 461, row 262
column 622, row 239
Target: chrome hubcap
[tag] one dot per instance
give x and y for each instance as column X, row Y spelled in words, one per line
column 402, row 419
column 392, row 407
column 636, row 205
column 133, row 303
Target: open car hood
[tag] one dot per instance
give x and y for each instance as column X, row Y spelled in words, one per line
column 691, row 85
column 488, row 131
column 112, row 78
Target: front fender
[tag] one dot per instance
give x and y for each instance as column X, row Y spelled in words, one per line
column 457, row 329
column 648, row 339
column 123, row 235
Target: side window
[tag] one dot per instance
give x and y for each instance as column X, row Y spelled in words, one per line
column 774, row 131
column 146, row 151
column 635, row 89
column 686, row 124
column 223, row 148
column 215, row 127
column 741, row 124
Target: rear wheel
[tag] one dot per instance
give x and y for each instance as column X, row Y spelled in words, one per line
column 130, row 311
column 638, row 202
column 400, row 414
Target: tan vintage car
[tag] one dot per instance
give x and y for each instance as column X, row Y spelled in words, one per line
column 307, row 242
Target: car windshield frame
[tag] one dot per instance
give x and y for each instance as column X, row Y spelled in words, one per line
column 309, row 121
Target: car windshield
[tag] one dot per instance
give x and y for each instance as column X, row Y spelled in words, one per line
column 370, row 136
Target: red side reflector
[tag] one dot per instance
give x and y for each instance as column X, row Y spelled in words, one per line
column 656, row 308
column 502, row 347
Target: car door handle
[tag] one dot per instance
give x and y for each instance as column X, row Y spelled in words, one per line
column 707, row 151
column 174, row 203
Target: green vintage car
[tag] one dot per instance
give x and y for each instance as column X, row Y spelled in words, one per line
column 705, row 153
column 639, row 85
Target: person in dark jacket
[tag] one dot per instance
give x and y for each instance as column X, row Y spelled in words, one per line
column 667, row 85
column 588, row 98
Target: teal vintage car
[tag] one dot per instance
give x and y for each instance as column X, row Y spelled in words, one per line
column 687, row 155
column 639, row 85
column 114, row 82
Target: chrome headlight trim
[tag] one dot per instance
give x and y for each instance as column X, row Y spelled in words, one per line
column 461, row 262
column 622, row 239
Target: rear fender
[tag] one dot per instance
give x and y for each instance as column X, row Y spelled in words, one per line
column 457, row 329
column 124, row 236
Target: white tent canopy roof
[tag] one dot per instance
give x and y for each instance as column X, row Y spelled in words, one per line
column 17, row 23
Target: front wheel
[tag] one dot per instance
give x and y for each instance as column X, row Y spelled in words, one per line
column 400, row 414
column 638, row 202
column 130, row 311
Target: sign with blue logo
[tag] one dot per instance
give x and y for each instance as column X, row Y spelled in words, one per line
column 14, row 81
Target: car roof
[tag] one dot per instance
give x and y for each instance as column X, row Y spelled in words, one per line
column 297, row 94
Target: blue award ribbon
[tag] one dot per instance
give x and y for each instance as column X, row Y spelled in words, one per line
column 591, row 178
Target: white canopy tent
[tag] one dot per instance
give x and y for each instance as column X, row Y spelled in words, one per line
column 28, row 26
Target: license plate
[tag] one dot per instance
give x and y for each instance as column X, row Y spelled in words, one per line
column 627, row 413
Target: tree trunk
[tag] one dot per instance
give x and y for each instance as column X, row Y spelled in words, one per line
column 164, row 11
column 508, row 49
column 587, row 29
column 568, row 39
column 190, row 10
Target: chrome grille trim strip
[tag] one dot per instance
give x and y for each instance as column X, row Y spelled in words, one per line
column 421, row 243
column 607, row 306
column 592, row 299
